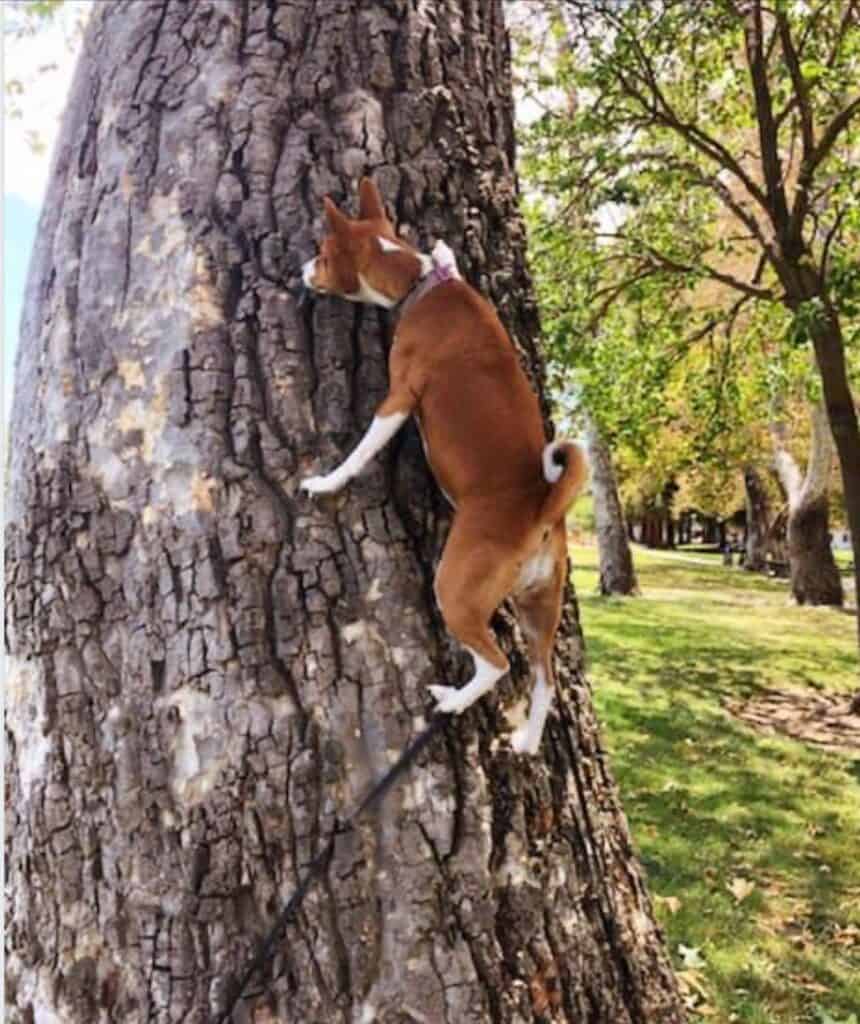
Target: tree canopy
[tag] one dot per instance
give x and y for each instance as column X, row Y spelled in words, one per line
column 689, row 157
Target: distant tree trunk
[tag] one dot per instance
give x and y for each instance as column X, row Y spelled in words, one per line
column 802, row 284
column 650, row 529
column 758, row 520
column 711, row 531
column 207, row 668
column 814, row 575
column 617, row 575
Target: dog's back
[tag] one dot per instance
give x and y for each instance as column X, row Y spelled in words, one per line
column 479, row 417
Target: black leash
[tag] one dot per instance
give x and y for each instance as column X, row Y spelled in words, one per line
column 322, row 859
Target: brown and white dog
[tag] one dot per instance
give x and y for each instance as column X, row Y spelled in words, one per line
column 453, row 367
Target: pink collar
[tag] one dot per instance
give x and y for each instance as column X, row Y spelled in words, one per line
column 438, row 275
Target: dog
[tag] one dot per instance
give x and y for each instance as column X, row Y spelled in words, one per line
column 453, row 367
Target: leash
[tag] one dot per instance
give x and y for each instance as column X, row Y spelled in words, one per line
column 319, row 864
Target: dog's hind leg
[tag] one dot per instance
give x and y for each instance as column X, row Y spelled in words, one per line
column 472, row 581
column 539, row 614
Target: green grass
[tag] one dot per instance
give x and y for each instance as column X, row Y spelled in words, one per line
column 711, row 801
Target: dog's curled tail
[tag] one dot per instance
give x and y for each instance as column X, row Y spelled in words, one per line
column 565, row 467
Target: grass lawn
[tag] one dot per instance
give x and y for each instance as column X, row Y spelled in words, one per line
column 751, row 842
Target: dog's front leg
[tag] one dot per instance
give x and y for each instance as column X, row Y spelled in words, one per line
column 380, row 432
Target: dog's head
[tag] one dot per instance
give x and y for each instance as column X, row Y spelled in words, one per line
column 362, row 259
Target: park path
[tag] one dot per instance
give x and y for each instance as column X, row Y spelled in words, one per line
column 716, row 563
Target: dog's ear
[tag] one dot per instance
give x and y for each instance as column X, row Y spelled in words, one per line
column 338, row 222
column 370, row 205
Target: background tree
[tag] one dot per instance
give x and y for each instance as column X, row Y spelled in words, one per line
column 206, row 668
column 815, row 577
column 758, row 519
column 673, row 219
column 617, row 575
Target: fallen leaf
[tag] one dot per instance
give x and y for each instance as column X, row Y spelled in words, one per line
column 671, row 903
column 847, row 936
column 740, row 888
column 691, row 983
column 809, row 985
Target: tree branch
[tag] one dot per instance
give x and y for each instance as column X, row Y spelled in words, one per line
column 713, row 184
column 777, row 204
column 801, row 92
column 831, row 234
column 702, row 269
column 848, row 15
column 808, row 166
column 661, row 111
column 832, row 132
column 612, row 292
column 705, row 270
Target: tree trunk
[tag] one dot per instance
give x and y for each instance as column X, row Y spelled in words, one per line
column 711, row 534
column 649, row 533
column 815, row 577
column 758, row 520
column 617, row 575
column 842, row 419
column 806, row 295
column 207, row 668
column 804, row 284
column 814, row 574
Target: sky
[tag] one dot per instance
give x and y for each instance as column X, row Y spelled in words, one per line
column 37, row 73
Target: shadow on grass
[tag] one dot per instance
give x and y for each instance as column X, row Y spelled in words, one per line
column 711, row 801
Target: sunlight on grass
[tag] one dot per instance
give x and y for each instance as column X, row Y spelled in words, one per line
column 751, row 842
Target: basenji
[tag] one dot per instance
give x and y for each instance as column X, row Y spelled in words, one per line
column 454, row 369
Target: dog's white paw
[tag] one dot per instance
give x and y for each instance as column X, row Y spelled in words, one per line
column 522, row 741
column 322, row 484
column 448, row 700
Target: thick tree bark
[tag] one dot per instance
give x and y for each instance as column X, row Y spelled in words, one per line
column 842, row 419
column 617, row 575
column 758, row 520
column 650, row 529
column 805, row 286
column 815, row 577
column 206, row 667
